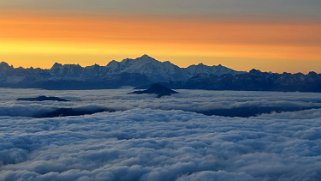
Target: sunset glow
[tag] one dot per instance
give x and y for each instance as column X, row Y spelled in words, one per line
column 40, row 39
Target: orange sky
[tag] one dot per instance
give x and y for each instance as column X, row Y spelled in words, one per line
column 39, row 40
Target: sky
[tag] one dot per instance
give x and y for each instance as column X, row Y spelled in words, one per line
column 274, row 35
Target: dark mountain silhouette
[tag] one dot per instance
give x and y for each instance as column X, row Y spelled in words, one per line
column 157, row 89
column 256, row 80
column 43, row 98
column 250, row 111
column 146, row 70
column 64, row 112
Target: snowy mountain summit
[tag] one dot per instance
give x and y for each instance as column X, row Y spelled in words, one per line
column 163, row 71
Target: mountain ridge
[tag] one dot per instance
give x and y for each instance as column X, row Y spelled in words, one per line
column 145, row 70
column 143, row 57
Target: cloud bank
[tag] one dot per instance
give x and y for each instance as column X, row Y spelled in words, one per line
column 221, row 103
column 144, row 143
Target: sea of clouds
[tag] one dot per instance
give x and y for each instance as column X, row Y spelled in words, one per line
column 199, row 101
column 160, row 139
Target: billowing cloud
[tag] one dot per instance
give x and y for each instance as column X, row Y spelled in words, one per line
column 243, row 104
column 143, row 142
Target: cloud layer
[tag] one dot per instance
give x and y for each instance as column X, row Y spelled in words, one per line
column 223, row 103
column 144, row 143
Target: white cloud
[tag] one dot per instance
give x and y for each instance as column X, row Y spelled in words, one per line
column 144, row 143
column 215, row 175
column 193, row 101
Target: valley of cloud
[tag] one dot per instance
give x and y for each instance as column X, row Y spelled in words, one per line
column 147, row 138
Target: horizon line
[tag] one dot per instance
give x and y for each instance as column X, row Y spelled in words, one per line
column 164, row 61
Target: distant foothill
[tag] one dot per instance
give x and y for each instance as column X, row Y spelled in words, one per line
column 157, row 89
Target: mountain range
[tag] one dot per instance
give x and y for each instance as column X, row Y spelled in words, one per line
column 145, row 70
